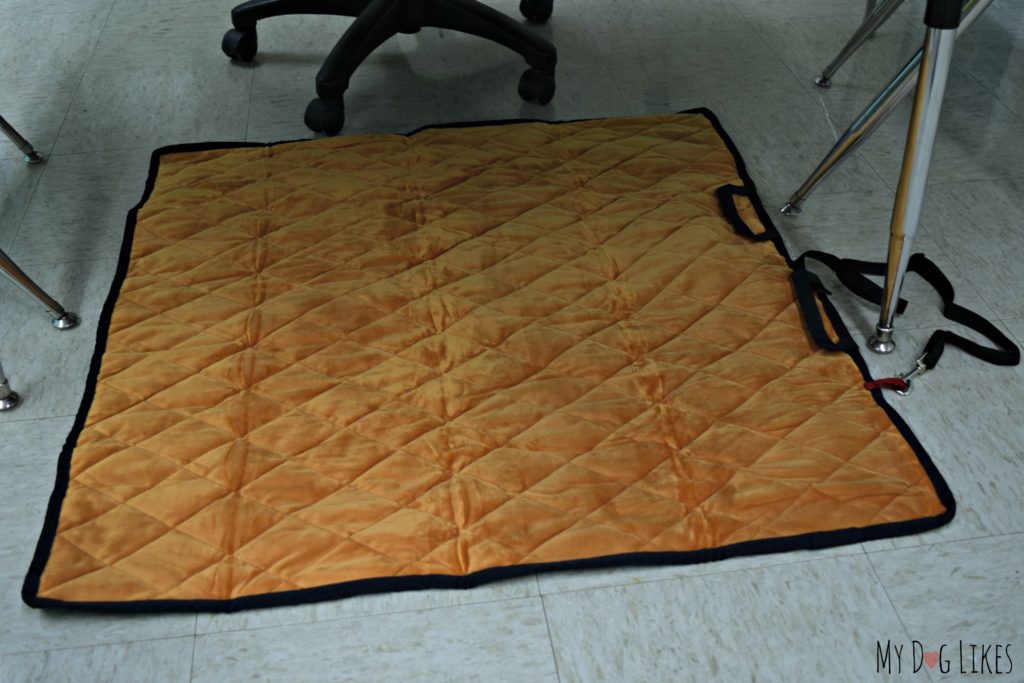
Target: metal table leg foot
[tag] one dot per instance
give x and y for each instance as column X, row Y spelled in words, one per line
column 873, row 20
column 31, row 155
column 942, row 18
column 62, row 319
column 9, row 399
column 874, row 114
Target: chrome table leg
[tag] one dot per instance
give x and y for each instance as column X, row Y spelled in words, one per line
column 8, row 398
column 942, row 18
column 873, row 20
column 31, row 155
column 62, row 319
column 873, row 115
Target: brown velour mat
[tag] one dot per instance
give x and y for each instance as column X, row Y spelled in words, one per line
column 387, row 362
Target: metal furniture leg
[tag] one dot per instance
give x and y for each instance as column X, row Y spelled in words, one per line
column 870, row 8
column 874, row 114
column 31, row 155
column 942, row 17
column 873, row 20
column 62, row 319
column 9, row 399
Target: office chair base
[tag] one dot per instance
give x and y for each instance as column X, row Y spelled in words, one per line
column 240, row 45
column 325, row 117
column 537, row 11
column 537, row 86
column 376, row 21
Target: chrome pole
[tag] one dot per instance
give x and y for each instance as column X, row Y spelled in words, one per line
column 873, row 20
column 62, row 319
column 873, row 115
column 9, row 399
column 917, row 158
column 31, row 155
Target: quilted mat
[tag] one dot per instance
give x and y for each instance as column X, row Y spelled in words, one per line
column 386, row 362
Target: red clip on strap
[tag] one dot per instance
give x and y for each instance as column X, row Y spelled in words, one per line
column 894, row 383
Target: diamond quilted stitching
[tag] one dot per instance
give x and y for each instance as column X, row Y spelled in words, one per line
column 234, row 464
column 347, row 511
column 173, row 558
column 91, row 504
column 127, row 472
column 400, row 478
column 597, row 540
column 288, row 547
column 247, row 519
column 117, row 533
column 454, row 352
column 430, row 532
column 290, row 487
column 177, row 497
column 514, row 470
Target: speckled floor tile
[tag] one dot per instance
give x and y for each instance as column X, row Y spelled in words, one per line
column 812, row 621
column 961, row 600
column 505, row 641
column 164, row 661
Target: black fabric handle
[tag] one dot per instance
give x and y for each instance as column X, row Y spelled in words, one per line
column 808, row 287
column 725, row 195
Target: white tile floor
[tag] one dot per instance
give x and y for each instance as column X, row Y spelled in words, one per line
column 97, row 84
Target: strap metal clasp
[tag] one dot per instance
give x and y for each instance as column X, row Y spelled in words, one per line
column 919, row 369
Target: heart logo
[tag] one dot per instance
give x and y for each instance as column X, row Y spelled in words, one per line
column 931, row 659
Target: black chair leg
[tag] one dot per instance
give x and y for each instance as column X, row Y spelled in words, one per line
column 241, row 43
column 469, row 16
column 381, row 20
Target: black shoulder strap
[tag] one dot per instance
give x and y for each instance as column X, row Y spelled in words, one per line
column 852, row 274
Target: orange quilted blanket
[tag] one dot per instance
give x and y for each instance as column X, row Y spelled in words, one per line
column 386, row 362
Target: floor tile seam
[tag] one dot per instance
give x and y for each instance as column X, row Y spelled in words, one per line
column 547, row 624
column 364, row 615
column 35, row 188
column 981, row 293
column 81, row 78
column 947, row 542
column 89, row 646
column 888, row 597
column 636, row 581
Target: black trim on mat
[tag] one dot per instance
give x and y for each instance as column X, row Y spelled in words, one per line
column 805, row 287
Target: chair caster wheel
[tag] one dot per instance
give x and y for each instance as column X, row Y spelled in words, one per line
column 536, row 11
column 537, row 85
column 239, row 45
column 325, row 117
